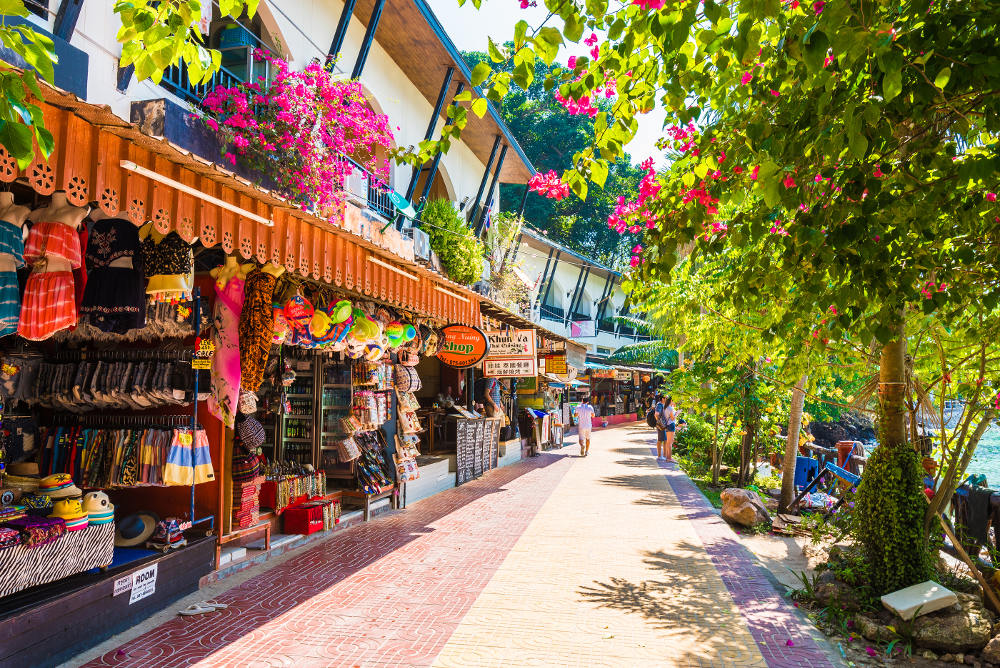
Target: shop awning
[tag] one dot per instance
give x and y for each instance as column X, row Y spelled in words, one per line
column 557, row 382
column 101, row 157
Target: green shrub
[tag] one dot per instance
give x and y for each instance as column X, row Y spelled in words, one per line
column 460, row 251
column 695, row 442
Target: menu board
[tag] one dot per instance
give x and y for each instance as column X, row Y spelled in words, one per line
column 475, row 448
column 465, row 444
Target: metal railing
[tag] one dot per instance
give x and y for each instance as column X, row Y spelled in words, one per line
column 552, row 312
column 176, row 80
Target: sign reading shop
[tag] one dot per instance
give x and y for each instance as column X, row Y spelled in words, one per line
column 464, row 346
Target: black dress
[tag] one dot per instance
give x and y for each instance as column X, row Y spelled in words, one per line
column 114, row 299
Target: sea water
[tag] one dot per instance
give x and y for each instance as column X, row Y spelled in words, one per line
column 987, row 458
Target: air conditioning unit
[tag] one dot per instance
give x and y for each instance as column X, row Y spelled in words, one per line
column 421, row 246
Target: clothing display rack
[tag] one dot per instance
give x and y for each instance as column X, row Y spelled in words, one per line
column 196, row 321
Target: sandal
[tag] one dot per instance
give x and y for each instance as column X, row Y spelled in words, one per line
column 197, row 609
column 217, row 606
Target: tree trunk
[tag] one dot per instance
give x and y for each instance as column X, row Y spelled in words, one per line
column 716, row 453
column 792, row 445
column 889, row 515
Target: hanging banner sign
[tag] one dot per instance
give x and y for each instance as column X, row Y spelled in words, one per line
column 512, row 343
column 464, row 346
column 510, row 367
column 608, row 374
column 624, row 376
column 582, row 329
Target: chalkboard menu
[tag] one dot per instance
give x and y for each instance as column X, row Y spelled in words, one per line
column 475, row 447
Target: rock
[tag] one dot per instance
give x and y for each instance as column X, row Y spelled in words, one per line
column 838, row 594
column 959, row 658
column 947, row 658
column 929, row 655
column 873, row 629
column 991, row 652
column 815, row 554
column 743, row 507
column 853, row 426
column 965, row 626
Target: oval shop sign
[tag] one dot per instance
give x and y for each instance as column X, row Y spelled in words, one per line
column 464, row 346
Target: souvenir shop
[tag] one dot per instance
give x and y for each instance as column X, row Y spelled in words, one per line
column 187, row 364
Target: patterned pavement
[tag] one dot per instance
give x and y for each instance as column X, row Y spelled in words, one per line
column 555, row 561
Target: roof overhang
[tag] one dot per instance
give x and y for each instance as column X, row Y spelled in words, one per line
column 417, row 42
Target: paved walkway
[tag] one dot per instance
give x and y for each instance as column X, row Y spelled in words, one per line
column 611, row 560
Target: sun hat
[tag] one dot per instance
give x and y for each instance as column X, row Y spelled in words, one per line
column 23, row 469
column 135, row 529
column 70, row 511
column 59, row 486
column 97, row 503
column 251, row 432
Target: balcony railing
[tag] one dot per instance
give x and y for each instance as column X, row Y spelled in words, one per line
column 552, row 312
column 176, row 80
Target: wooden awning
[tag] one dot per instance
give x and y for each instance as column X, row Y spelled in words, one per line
column 91, row 144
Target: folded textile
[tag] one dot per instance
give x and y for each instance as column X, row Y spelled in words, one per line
column 9, row 538
column 38, row 531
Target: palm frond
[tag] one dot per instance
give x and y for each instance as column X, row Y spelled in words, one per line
column 659, row 354
column 638, row 324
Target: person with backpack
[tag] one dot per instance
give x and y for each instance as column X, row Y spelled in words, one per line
column 669, row 419
column 654, row 418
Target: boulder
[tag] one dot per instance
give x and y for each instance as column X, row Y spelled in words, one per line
column 873, row 629
column 838, row 594
column 991, row 652
column 852, row 426
column 965, row 626
column 743, row 507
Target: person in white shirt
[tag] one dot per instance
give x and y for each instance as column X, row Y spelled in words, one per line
column 584, row 423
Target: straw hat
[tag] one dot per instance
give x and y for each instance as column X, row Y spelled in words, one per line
column 59, row 486
column 23, row 468
column 135, row 529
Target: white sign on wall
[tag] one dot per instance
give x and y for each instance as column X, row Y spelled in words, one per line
column 511, row 367
column 143, row 584
column 511, row 343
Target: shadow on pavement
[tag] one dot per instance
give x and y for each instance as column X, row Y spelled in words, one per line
column 684, row 594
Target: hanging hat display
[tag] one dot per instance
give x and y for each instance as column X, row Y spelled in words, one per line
column 341, row 312
column 281, row 325
column 251, row 432
column 299, row 312
column 395, row 332
column 248, row 403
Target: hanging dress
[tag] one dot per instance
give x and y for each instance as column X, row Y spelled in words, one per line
column 114, row 299
column 226, row 372
column 12, row 244
column 256, row 328
column 49, row 303
column 169, row 264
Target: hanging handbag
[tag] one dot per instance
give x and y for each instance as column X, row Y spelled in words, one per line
column 246, row 464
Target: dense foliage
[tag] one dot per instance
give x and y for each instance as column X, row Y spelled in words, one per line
column 460, row 251
column 550, row 135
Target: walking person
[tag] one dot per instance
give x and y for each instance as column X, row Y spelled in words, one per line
column 584, row 424
column 670, row 419
column 661, row 427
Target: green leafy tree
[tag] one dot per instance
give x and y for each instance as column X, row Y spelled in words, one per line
column 855, row 144
column 550, row 136
column 460, row 251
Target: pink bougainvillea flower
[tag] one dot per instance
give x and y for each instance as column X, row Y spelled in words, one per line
column 746, row 78
column 877, row 238
column 753, row 174
column 833, row 309
column 571, row 62
column 775, row 93
column 789, row 643
column 637, row 249
column 592, row 40
column 829, row 59
column 548, row 185
column 878, row 173
column 818, row 7
column 737, row 170
column 870, row 651
column 595, row 52
column 635, row 261
column 789, row 182
column 991, row 197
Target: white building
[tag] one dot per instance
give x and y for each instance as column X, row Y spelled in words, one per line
column 573, row 295
column 409, row 67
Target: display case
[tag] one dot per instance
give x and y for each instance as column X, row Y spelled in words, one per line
column 334, row 406
column 296, row 424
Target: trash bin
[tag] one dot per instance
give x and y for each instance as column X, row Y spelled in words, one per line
column 806, row 468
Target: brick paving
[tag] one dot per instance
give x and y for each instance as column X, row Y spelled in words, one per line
column 555, row 561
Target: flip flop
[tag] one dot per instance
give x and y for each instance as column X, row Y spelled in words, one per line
column 217, row 606
column 197, row 609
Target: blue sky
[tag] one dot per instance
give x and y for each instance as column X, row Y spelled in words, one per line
column 469, row 28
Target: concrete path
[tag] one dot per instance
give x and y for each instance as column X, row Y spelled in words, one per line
column 609, row 560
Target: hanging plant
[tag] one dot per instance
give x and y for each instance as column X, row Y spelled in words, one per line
column 298, row 129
